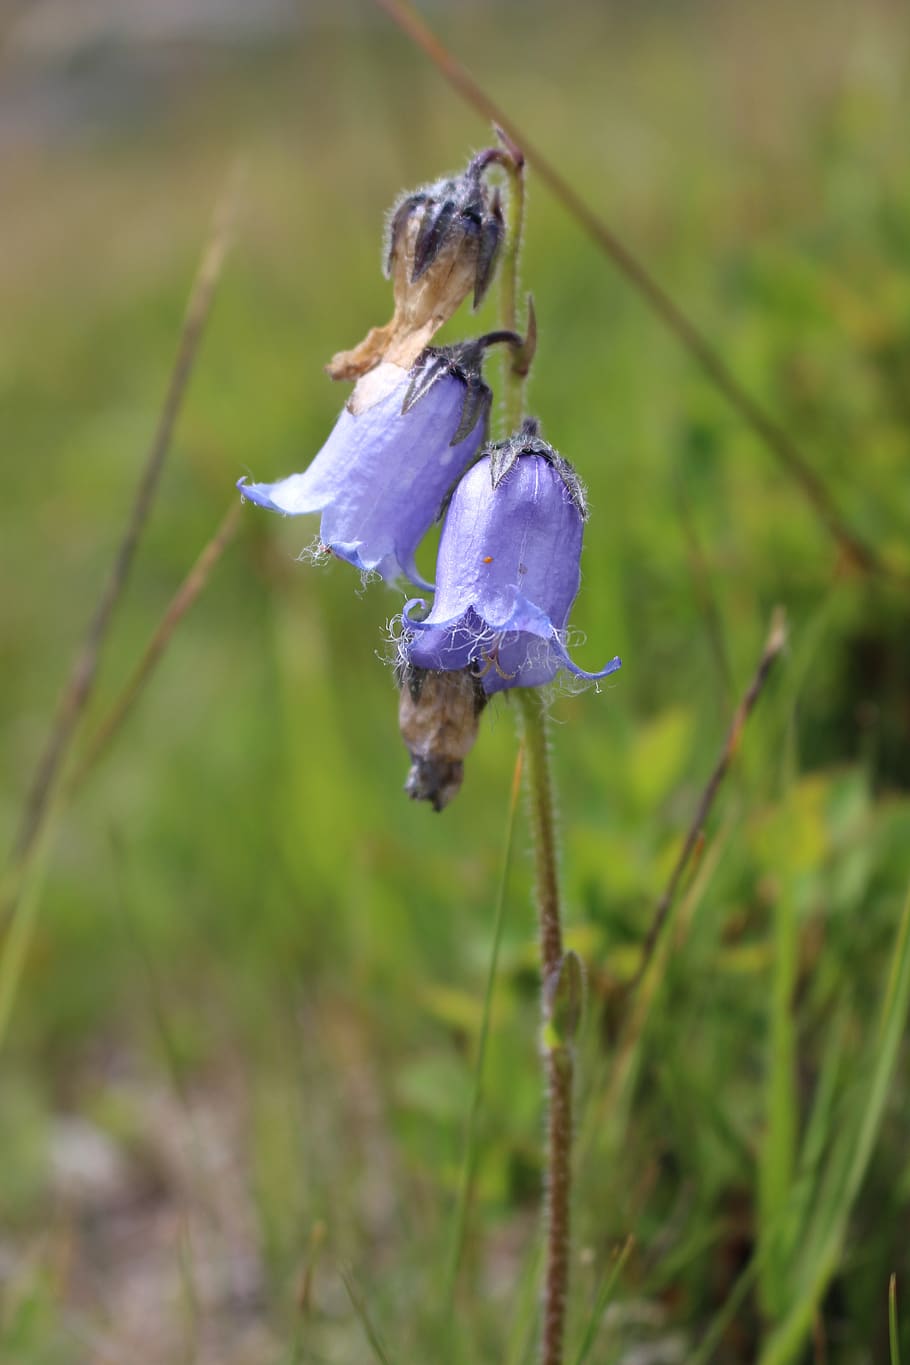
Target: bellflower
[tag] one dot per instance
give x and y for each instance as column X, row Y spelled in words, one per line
column 394, row 454
column 508, row 571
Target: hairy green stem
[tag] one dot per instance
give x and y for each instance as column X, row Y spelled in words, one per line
column 557, row 1050
column 534, row 717
column 514, row 374
column 556, row 982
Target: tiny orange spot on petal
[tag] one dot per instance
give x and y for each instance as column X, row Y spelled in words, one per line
column 488, row 559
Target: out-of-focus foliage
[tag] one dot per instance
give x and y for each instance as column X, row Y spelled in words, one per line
column 253, row 999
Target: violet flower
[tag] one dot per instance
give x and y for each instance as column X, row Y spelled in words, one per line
column 394, row 454
column 508, row 571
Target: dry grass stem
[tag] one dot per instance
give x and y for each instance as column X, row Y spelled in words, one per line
column 768, row 429
column 694, row 840
column 81, row 680
column 179, row 605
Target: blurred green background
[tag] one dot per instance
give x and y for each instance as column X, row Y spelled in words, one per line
column 246, row 1024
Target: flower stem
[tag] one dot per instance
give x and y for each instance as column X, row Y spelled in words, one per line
column 514, row 374
column 560, row 975
column 556, row 1046
column 543, row 821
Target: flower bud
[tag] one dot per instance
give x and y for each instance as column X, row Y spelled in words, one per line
column 443, row 240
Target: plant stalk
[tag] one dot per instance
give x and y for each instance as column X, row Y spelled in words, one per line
column 557, row 1052
column 515, row 373
column 555, row 980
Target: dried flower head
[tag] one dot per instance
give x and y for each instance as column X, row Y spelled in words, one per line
column 443, row 240
column 438, row 715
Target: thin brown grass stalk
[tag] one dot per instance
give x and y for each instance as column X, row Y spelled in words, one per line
column 179, row 605
column 705, row 596
column 771, row 432
column 80, row 683
column 777, row 639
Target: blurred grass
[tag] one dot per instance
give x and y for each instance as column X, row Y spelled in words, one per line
column 320, row 945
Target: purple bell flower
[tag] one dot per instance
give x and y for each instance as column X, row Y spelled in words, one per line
column 395, row 452
column 508, row 571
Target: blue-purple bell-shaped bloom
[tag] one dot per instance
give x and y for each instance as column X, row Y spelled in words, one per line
column 394, row 454
column 507, row 572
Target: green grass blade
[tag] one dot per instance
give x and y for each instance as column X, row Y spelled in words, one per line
column 359, row 1306
column 778, row 1151
column 707, row 1349
column 23, row 912
column 521, row 1345
column 848, row 1163
column 893, row 1338
column 604, row 1294
column 822, row 1123
column 470, row 1153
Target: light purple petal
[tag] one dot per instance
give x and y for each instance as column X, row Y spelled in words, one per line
column 381, row 477
column 447, row 647
column 506, row 549
column 613, row 666
column 508, row 572
column 521, row 659
column 288, row 496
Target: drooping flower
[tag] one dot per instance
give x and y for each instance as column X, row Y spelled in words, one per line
column 507, row 572
column 443, row 240
column 394, row 454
